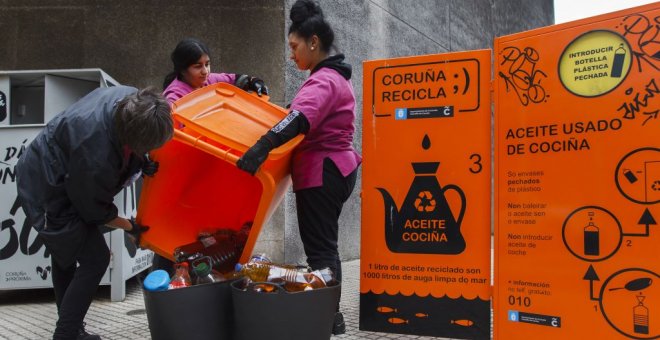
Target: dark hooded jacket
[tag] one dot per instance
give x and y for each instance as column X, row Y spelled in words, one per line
column 69, row 174
column 336, row 62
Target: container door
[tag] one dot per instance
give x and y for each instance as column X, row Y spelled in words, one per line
column 577, row 179
column 425, row 252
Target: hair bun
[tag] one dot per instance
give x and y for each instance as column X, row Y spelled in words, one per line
column 303, row 10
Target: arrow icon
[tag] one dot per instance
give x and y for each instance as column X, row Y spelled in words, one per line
column 647, row 220
column 591, row 276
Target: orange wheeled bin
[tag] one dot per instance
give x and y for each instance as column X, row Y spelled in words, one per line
column 198, row 188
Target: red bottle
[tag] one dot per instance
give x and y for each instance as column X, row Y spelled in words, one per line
column 181, row 277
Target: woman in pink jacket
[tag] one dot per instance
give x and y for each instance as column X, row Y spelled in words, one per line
column 324, row 165
column 191, row 60
column 192, row 70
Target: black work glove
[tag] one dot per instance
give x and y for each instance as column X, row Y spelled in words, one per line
column 249, row 83
column 136, row 231
column 149, row 167
column 255, row 156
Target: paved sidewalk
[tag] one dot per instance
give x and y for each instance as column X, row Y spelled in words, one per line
column 31, row 314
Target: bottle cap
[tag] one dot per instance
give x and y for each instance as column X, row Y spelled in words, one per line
column 157, row 280
column 259, row 258
column 202, row 269
column 238, row 267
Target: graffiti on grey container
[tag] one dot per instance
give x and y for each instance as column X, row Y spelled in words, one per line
column 19, row 241
column 8, row 162
column 3, row 106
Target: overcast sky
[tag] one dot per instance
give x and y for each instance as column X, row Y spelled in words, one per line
column 569, row 10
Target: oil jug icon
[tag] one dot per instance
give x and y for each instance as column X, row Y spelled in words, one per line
column 425, row 224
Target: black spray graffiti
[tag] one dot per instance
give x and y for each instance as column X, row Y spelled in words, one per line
column 17, row 241
column 644, row 37
column 8, row 161
column 641, row 101
column 3, row 106
column 522, row 75
column 21, row 241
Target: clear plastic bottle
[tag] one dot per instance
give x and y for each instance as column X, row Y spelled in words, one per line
column 292, row 279
column 327, row 275
column 259, row 258
column 205, row 274
column 181, row 277
column 255, row 272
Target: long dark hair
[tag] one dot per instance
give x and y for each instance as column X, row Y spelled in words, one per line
column 187, row 52
column 307, row 20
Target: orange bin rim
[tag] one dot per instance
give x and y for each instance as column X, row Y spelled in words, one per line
column 225, row 114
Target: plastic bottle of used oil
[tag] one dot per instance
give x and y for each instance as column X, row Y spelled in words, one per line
column 292, row 279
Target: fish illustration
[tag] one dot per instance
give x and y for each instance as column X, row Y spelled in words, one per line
column 397, row 321
column 421, row 315
column 384, row 309
column 463, row 322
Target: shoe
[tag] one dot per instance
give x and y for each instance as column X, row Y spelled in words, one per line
column 83, row 335
column 339, row 326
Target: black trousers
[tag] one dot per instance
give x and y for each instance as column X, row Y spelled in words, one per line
column 75, row 286
column 318, row 217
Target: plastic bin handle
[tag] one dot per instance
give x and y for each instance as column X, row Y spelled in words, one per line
column 200, row 144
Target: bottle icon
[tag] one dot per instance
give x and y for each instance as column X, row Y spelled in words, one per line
column 630, row 176
column 181, row 277
column 641, row 316
column 204, row 273
column 617, row 64
column 591, row 238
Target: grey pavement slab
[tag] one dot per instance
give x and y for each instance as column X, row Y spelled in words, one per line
column 31, row 314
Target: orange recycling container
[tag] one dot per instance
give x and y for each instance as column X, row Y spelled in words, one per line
column 198, row 186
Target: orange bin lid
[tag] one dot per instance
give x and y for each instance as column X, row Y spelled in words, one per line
column 198, row 187
column 230, row 116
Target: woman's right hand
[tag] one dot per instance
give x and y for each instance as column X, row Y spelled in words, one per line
column 254, row 156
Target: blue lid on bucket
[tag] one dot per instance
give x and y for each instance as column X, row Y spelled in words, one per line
column 157, row 280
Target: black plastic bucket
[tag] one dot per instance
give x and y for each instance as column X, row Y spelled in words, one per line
column 197, row 312
column 280, row 315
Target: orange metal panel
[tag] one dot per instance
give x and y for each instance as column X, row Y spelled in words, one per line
column 425, row 255
column 577, row 176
